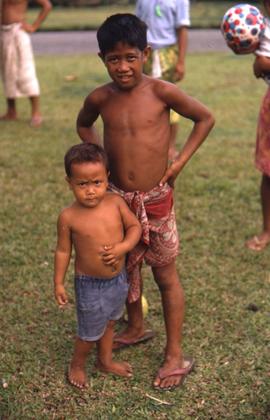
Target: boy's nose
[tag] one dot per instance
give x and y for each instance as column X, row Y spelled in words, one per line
column 90, row 190
column 123, row 65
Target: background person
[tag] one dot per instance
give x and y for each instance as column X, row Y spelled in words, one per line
column 167, row 34
column 16, row 57
column 245, row 36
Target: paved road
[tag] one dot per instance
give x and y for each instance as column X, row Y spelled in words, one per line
column 80, row 42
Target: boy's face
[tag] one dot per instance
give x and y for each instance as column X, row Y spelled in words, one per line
column 125, row 65
column 89, row 182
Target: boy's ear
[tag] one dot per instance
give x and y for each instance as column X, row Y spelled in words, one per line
column 146, row 53
column 68, row 181
column 101, row 56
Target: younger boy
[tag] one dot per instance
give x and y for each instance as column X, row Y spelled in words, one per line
column 135, row 110
column 16, row 56
column 102, row 230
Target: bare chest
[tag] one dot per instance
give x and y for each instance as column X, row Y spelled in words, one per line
column 98, row 228
column 12, row 3
column 131, row 112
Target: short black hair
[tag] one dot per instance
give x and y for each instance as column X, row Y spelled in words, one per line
column 122, row 27
column 84, row 152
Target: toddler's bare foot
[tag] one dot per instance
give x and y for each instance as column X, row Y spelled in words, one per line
column 116, row 368
column 77, row 376
column 258, row 242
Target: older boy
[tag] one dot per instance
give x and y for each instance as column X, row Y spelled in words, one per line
column 135, row 110
column 16, row 57
column 102, row 229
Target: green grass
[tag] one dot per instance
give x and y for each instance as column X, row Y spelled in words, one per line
column 217, row 206
column 203, row 15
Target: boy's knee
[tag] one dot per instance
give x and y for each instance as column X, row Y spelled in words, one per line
column 110, row 324
column 166, row 277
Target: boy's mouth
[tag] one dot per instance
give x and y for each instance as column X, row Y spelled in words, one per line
column 124, row 77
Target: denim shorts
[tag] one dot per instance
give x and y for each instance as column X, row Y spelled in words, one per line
column 99, row 300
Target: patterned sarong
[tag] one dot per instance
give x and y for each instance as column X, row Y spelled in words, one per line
column 159, row 244
column 17, row 63
column 262, row 156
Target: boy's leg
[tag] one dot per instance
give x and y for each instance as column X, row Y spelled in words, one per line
column 172, row 296
column 105, row 363
column 11, row 113
column 135, row 332
column 259, row 242
column 76, row 372
column 36, row 118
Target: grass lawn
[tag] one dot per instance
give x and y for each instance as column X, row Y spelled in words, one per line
column 203, row 15
column 217, row 206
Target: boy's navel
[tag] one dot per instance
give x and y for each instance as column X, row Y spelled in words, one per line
column 131, row 176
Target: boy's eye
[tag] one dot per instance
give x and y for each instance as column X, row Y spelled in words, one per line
column 113, row 60
column 97, row 182
column 131, row 58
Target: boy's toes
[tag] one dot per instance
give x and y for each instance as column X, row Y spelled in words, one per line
column 128, row 367
column 77, row 378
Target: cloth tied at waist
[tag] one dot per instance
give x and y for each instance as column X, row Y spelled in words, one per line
column 148, row 206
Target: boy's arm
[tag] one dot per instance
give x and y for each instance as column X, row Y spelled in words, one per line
column 132, row 227
column 133, row 232
column 85, row 120
column 61, row 258
column 182, row 40
column 261, row 65
column 46, row 6
column 203, row 120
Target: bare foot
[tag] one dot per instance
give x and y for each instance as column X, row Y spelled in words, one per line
column 36, row 121
column 116, row 368
column 8, row 117
column 77, row 376
column 258, row 242
column 172, row 374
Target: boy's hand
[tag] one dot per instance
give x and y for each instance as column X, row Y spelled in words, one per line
column 27, row 27
column 170, row 175
column 261, row 66
column 60, row 295
column 257, row 68
column 179, row 72
column 112, row 253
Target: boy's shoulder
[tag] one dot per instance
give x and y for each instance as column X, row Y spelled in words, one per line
column 67, row 212
column 100, row 92
column 113, row 198
column 158, row 86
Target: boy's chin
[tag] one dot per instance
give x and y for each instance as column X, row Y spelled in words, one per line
column 125, row 88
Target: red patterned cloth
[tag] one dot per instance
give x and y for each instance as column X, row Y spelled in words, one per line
column 159, row 244
column 262, row 157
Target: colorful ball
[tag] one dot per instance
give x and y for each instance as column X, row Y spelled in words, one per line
column 243, row 26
